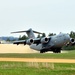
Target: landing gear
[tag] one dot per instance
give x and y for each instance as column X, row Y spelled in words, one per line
column 42, row 51
column 57, row 51
column 54, row 51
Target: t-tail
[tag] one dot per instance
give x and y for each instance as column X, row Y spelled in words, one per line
column 29, row 32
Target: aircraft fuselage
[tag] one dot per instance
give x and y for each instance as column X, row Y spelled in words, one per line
column 55, row 42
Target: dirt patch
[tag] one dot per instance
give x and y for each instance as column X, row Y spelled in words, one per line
column 10, row 48
column 38, row 60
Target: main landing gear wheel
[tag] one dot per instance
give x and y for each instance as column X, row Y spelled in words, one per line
column 57, row 51
column 42, row 51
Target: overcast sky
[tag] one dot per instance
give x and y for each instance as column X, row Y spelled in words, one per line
column 40, row 15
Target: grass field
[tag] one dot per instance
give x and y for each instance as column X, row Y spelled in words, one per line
column 35, row 68
column 69, row 55
column 19, row 68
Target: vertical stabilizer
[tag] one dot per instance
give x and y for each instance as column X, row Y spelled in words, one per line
column 30, row 33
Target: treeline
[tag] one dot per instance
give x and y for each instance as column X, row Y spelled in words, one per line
column 72, row 34
column 24, row 37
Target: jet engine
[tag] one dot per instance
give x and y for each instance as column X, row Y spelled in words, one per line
column 29, row 41
column 44, row 40
column 72, row 40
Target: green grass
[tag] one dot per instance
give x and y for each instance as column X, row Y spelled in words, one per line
column 35, row 68
column 19, row 68
column 69, row 55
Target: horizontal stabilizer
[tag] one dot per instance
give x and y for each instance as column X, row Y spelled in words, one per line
column 19, row 32
column 37, row 32
column 27, row 31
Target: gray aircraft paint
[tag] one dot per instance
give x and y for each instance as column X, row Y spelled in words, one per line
column 30, row 33
column 54, row 42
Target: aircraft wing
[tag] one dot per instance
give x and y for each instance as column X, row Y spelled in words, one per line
column 32, row 38
column 20, row 42
column 28, row 41
column 33, row 41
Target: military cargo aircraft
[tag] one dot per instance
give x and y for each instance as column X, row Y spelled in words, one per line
column 51, row 43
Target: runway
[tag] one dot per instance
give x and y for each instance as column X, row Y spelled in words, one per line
column 38, row 60
column 10, row 48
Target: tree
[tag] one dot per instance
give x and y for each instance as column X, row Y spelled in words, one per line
column 51, row 34
column 72, row 34
column 24, row 37
column 38, row 36
column 43, row 35
column 8, row 39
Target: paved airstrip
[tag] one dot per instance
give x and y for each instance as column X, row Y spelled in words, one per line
column 10, row 48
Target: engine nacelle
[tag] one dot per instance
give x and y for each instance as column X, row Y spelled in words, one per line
column 44, row 40
column 29, row 41
column 72, row 40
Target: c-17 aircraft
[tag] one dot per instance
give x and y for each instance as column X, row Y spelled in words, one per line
column 51, row 43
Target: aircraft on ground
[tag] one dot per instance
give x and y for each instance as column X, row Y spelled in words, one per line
column 51, row 43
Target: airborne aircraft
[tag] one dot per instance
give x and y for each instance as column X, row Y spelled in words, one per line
column 51, row 43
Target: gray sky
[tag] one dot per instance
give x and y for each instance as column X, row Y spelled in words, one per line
column 40, row 15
